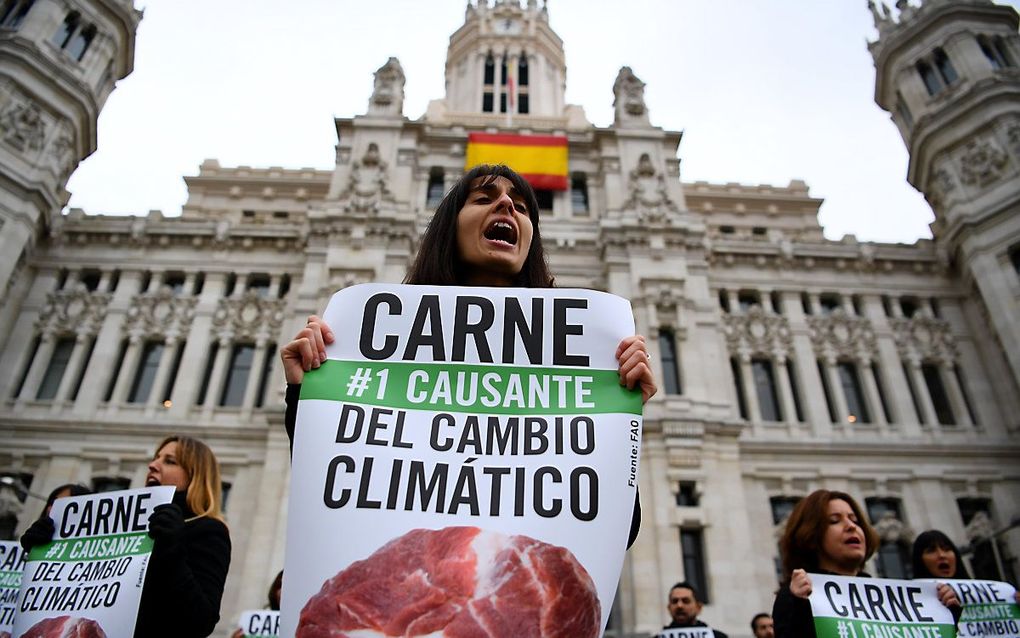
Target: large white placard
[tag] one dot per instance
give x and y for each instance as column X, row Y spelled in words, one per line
column 989, row 608
column 465, row 455
column 260, row 623
column 91, row 575
column 12, row 564
column 846, row 607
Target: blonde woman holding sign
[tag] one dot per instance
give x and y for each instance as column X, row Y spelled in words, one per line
column 828, row 534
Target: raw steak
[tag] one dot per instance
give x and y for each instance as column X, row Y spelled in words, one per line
column 65, row 627
column 457, row 581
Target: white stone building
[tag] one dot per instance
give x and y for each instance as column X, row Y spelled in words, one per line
column 786, row 362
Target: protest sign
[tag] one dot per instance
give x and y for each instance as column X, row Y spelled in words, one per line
column 687, row 632
column 90, row 576
column 845, row 607
column 12, row 563
column 464, row 456
column 989, row 608
column 260, row 623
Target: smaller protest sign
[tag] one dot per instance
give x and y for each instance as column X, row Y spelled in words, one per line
column 687, row 632
column 12, row 564
column 989, row 608
column 845, row 607
column 88, row 580
column 260, row 623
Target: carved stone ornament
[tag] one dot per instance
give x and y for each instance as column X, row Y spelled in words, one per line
column 941, row 185
column 982, row 163
column 22, row 126
column 249, row 317
column 648, row 194
column 629, row 98
column 1013, row 137
column 10, row 504
column 757, row 332
column 979, row 528
column 922, row 338
column 841, row 336
column 388, row 92
column 892, row 530
column 76, row 310
column 368, row 185
column 161, row 313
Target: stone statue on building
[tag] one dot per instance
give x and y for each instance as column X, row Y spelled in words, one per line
column 367, row 186
column 629, row 99
column 22, row 126
column 388, row 93
column 648, row 193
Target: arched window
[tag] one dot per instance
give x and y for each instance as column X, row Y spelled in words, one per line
column 523, row 101
column 488, row 81
column 80, row 42
column 66, row 29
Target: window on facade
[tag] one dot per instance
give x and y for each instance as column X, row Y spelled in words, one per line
column 893, row 555
column 929, row 77
column 90, row 279
column 748, row 298
column 876, row 372
column 830, row 303
column 727, row 229
column 937, row 392
column 225, row 487
column 858, row 305
column 145, row 376
column 579, row 194
column 724, row 301
column 792, row 372
column 1014, row 258
column 502, row 102
column 74, row 37
column 490, row 71
column 502, row 71
column 174, row 281
column 13, row 13
column 523, row 105
column 267, row 368
column 850, row 381
column 670, row 364
column 436, row 188
column 687, row 494
column 765, row 387
column 805, row 303
column 248, row 214
column 999, row 45
column 738, row 385
column 81, row 370
column 487, row 102
column 56, row 368
column 112, row 384
column 759, row 231
column 693, row 548
column 986, row 562
column 945, row 67
column 63, row 34
column 110, row 484
column 237, row 376
column 210, row 363
column 777, row 302
column 962, row 382
column 260, row 283
column 990, row 53
column 175, row 366
column 782, row 507
column 903, row 110
column 281, row 214
column 522, row 71
column 80, row 42
column 62, row 279
column 284, row 285
column 909, row 306
column 914, row 398
column 828, row 392
column 545, row 198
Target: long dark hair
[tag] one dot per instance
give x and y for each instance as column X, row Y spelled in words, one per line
column 437, row 263
column 927, row 540
column 802, row 539
column 73, row 489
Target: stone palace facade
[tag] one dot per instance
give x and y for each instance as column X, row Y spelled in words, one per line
column 787, row 362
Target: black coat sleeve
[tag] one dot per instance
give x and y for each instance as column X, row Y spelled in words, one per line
column 792, row 616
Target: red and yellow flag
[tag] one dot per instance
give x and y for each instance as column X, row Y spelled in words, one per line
column 540, row 159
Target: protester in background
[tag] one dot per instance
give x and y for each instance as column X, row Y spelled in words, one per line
column 826, row 533
column 191, row 553
column 684, row 605
column 936, row 556
column 761, row 626
column 275, row 592
column 41, row 531
column 484, row 233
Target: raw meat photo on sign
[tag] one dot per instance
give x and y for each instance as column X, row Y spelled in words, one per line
column 474, row 450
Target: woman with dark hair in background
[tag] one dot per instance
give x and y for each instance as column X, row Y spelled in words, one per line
column 827, row 534
column 41, row 531
column 934, row 555
column 485, row 232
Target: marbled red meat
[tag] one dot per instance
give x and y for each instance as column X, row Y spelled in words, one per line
column 457, row 581
column 65, row 627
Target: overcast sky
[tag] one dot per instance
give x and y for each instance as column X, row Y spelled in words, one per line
column 765, row 91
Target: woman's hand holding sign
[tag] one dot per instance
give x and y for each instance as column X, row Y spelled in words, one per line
column 800, row 583
column 307, row 351
column 635, row 368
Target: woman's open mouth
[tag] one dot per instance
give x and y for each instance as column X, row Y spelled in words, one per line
column 151, row 481
column 502, row 232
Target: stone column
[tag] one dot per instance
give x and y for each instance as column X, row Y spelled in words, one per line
column 836, row 390
column 73, row 372
column 155, row 399
column 871, row 392
column 128, row 368
column 750, row 389
column 785, row 389
column 921, row 391
column 197, row 347
column 216, row 379
column 955, row 392
column 251, row 390
column 40, row 362
column 815, row 409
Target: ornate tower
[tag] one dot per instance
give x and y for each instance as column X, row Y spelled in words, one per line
column 59, row 61
column 949, row 73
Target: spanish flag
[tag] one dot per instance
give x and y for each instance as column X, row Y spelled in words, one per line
column 540, row 159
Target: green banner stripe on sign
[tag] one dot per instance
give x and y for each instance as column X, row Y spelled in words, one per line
column 479, row 389
column 849, row 628
column 93, row 548
column 991, row 611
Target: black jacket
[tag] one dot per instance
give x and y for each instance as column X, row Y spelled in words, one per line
column 184, row 583
column 696, row 623
column 290, row 420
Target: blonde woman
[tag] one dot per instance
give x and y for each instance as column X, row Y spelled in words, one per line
column 191, row 554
